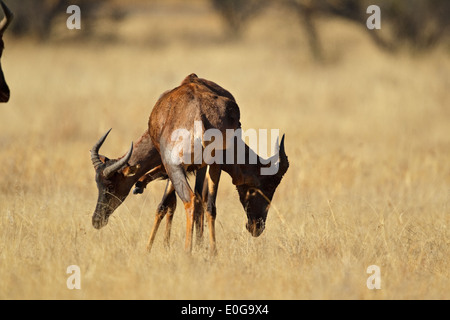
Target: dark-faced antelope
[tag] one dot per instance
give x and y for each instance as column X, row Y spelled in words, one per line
column 4, row 89
column 152, row 156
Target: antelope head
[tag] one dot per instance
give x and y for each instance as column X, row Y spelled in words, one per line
column 4, row 89
column 112, row 183
column 256, row 199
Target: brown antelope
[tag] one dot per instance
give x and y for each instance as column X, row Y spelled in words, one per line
column 4, row 89
column 152, row 156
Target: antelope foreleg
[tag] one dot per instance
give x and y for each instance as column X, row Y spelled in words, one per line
column 199, row 212
column 192, row 207
column 159, row 216
column 168, row 229
column 167, row 206
column 212, row 184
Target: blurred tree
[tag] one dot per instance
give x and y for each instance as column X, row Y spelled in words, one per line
column 236, row 13
column 419, row 24
column 416, row 24
column 306, row 11
column 35, row 18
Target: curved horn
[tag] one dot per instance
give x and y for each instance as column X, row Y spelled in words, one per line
column 284, row 163
column 94, row 151
column 7, row 19
column 119, row 164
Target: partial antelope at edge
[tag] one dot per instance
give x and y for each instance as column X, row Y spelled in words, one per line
column 4, row 89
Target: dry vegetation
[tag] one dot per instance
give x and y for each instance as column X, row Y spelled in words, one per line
column 367, row 135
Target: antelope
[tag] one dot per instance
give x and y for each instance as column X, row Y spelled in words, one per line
column 152, row 157
column 4, row 89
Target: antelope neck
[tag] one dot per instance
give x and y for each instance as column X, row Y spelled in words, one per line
column 144, row 155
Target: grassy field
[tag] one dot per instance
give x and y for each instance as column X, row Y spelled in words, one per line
column 367, row 136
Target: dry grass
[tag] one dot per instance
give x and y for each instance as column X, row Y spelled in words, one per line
column 367, row 135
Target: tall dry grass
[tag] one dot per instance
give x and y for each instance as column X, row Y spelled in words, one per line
column 367, row 135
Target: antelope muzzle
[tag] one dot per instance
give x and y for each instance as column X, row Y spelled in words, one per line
column 99, row 222
column 255, row 226
column 4, row 89
column 99, row 219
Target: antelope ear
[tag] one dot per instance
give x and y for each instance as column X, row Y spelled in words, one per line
column 103, row 158
column 130, row 171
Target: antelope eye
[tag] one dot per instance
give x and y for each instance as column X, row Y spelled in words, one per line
column 110, row 189
column 252, row 192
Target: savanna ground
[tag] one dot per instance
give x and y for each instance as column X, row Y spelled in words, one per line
column 367, row 136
